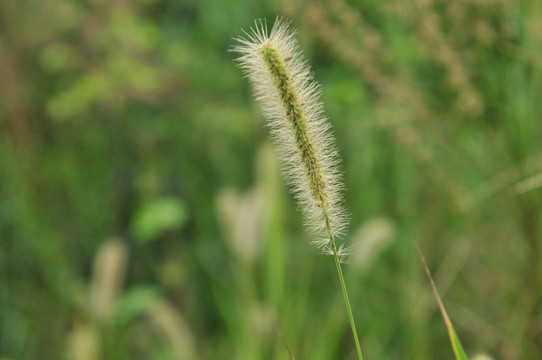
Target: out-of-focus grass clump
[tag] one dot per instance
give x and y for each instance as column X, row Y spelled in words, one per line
column 142, row 213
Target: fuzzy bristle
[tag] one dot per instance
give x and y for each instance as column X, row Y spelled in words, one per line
column 283, row 84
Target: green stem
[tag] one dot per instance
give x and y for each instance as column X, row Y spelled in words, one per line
column 345, row 295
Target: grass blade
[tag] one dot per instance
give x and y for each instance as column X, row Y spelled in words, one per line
column 454, row 339
column 286, row 344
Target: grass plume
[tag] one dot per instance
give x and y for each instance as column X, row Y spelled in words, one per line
column 283, row 84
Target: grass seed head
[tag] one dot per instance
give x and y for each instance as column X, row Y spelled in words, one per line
column 283, row 84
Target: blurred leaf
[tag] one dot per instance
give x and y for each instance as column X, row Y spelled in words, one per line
column 76, row 99
column 59, row 57
column 135, row 302
column 157, row 217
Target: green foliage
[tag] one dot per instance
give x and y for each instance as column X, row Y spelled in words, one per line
column 109, row 108
column 135, row 302
column 153, row 219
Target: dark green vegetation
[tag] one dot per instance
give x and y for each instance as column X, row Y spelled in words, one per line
column 129, row 120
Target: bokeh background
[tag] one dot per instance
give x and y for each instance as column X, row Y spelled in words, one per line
column 143, row 214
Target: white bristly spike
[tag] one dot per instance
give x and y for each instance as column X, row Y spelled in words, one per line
column 283, row 84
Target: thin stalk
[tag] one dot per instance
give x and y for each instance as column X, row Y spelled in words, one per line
column 347, row 301
column 343, row 287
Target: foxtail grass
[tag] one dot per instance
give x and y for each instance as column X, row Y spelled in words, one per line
column 283, row 84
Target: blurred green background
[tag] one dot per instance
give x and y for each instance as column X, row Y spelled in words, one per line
column 143, row 214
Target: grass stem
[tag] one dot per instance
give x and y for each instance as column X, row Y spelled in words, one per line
column 345, row 295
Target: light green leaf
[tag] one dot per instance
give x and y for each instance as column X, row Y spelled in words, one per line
column 135, row 302
column 155, row 218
